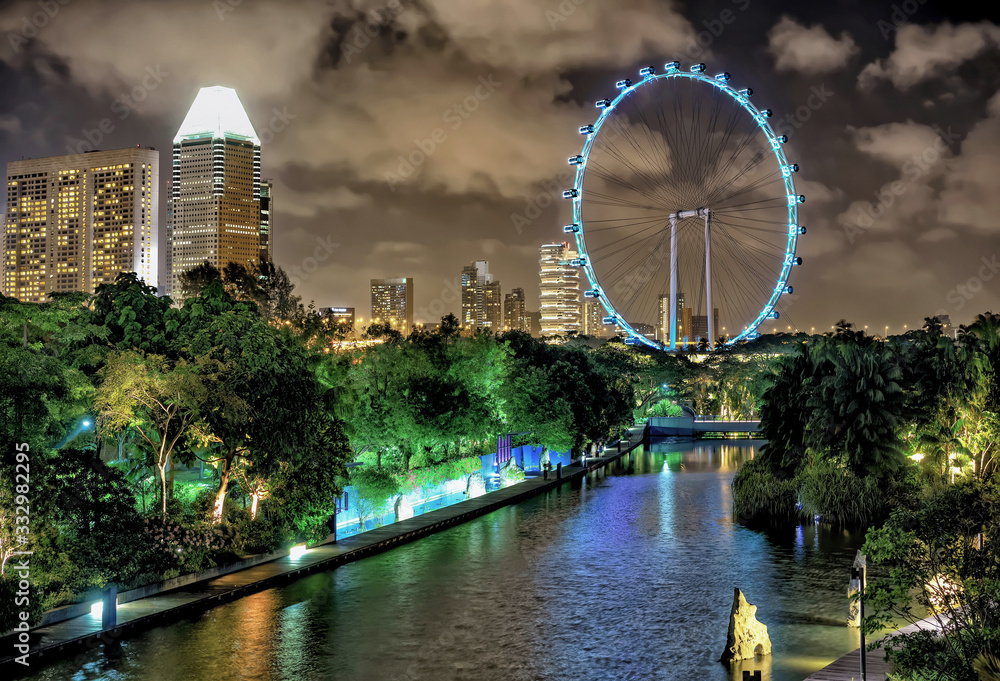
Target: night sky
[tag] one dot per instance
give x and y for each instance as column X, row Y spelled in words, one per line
column 898, row 100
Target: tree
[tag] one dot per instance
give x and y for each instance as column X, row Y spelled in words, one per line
column 159, row 398
column 136, row 318
column 944, row 551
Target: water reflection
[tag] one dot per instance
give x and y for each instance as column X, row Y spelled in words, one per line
column 628, row 575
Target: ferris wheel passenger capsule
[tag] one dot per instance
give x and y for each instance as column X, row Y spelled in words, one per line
column 698, row 68
column 571, row 229
column 587, row 129
column 782, row 138
column 593, row 293
column 746, row 92
column 576, row 160
column 766, row 113
column 797, row 261
column 672, row 65
column 602, row 103
column 802, row 229
column 570, row 194
column 632, row 341
column 724, row 76
column 609, row 321
column 578, row 262
column 789, row 289
column 623, row 83
column 647, row 71
column 773, row 315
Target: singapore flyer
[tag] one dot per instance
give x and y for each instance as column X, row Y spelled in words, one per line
column 685, row 212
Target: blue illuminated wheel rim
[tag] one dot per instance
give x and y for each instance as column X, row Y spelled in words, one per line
column 668, row 147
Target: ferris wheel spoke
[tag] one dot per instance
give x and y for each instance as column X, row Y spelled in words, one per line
column 610, row 178
column 754, row 186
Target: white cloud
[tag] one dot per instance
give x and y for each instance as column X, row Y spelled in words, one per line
column 808, row 50
column 898, row 143
column 925, row 52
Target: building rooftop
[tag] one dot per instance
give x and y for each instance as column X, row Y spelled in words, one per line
column 216, row 111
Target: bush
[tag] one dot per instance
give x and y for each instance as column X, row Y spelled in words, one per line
column 839, row 496
column 260, row 535
column 759, row 495
column 11, row 604
column 665, row 408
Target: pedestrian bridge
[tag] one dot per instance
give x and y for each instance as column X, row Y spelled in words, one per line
column 697, row 426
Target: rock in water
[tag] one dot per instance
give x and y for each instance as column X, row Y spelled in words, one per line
column 747, row 637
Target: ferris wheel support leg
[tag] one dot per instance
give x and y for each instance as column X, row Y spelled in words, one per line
column 673, row 281
column 710, row 312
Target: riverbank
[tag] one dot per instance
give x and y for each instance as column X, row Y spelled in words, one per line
column 85, row 632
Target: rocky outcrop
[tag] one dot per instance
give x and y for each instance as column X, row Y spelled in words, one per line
column 746, row 637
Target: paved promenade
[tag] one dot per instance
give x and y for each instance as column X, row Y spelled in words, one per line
column 849, row 666
column 79, row 634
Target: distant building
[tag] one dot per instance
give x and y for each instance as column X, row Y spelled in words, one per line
column 482, row 305
column 663, row 325
column 392, row 302
column 76, row 222
column 699, row 326
column 515, row 317
column 535, row 323
column 946, row 328
column 266, row 221
column 560, row 290
column 591, row 320
column 340, row 315
column 215, row 190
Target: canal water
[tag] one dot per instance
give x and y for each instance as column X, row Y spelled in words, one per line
column 628, row 575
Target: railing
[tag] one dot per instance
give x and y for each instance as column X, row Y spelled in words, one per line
column 712, row 417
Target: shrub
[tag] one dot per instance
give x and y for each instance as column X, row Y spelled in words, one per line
column 260, row 535
column 837, row 495
column 759, row 495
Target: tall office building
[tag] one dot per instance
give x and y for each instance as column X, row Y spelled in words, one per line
column 266, row 221
column 699, row 326
column 215, row 190
column 591, row 320
column 515, row 317
column 392, row 302
column 493, row 307
column 75, row 222
column 663, row 327
column 560, row 289
column 481, row 302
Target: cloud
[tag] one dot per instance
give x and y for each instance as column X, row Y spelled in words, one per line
column 924, row 52
column 897, row 143
column 970, row 198
column 811, row 51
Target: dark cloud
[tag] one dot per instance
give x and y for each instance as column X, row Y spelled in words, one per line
column 409, row 138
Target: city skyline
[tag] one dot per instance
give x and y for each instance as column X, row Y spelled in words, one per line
column 898, row 214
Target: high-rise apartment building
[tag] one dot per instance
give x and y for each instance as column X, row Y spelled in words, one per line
column 515, row 317
column 663, row 325
column 266, row 221
column 481, row 298
column 392, row 302
column 591, row 320
column 215, row 190
column 560, row 289
column 75, row 222
column 699, row 326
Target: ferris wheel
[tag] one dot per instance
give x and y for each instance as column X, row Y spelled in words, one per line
column 685, row 213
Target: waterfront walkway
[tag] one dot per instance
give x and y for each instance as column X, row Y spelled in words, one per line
column 876, row 668
column 79, row 634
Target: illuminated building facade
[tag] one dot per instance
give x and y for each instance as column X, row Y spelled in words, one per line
column 663, row 325
column 392, row 302
column 75, row 222
column 515, row 317
column 560, row 289
column 215, row 212
column 266, row 221
column 481, row 304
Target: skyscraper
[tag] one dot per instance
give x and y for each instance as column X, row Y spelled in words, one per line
column 699, row 326
column 75, row 222
column 481, row 303
column 515, row 317
column 392, row 302
column 215, row 189
column 663, row 326
column 560, row 289
column 591, row 320
column 266, row 221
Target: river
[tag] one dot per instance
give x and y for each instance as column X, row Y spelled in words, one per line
column 627, row 576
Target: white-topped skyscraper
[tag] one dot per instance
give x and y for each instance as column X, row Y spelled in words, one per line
column 215, row 209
